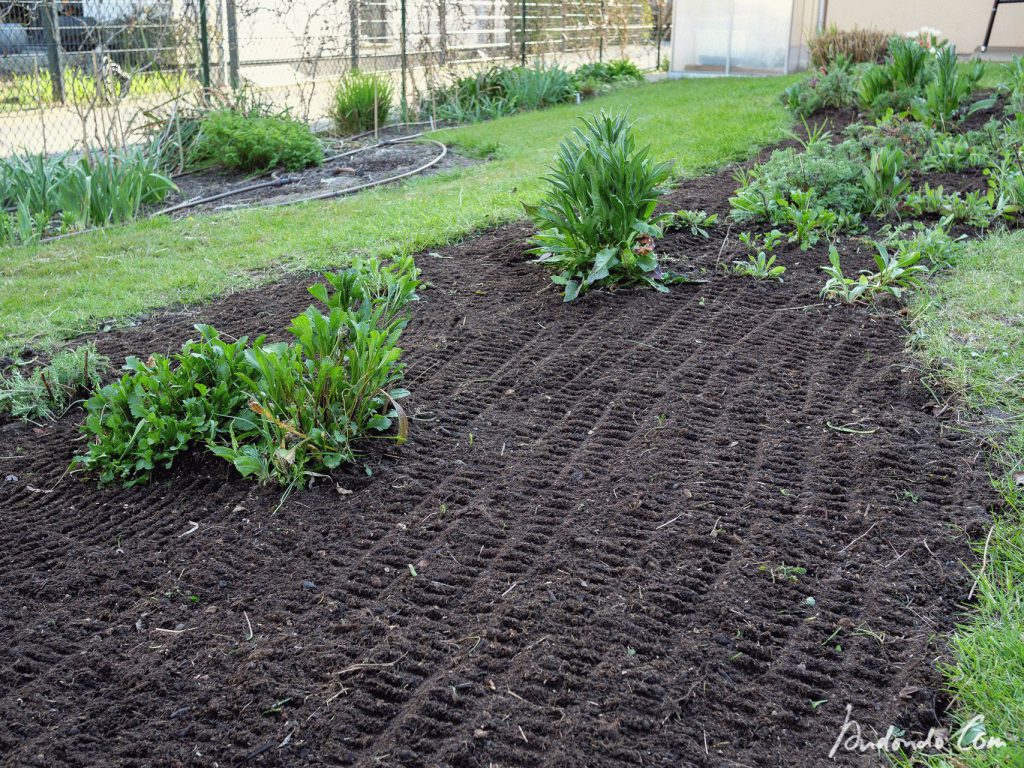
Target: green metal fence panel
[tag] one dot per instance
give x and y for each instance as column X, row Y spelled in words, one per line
column 90, row 73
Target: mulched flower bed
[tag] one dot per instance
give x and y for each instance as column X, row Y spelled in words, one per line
column 385, row 157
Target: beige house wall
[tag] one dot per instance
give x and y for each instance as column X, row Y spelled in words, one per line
column 962, row 22
column 701, row 27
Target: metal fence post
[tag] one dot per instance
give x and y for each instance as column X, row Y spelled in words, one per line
column 442, row 30
column 657, row 33
column 600, row 32
column 405, row 60
column 353, row 25
column 522, row 34
column 204, row 46
column 232, row 23
column 51, row 35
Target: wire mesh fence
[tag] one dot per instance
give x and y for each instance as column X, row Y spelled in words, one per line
column 80, row 74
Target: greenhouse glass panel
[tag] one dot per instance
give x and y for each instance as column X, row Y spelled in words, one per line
column 741, row 36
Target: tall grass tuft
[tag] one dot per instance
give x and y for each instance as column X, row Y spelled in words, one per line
column 361, row 102
column 536, row 87
column 858, row 45
column 110, row 189
column 96, row 190
column 501, row 91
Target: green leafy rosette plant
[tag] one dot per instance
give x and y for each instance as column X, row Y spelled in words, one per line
column 283, row 412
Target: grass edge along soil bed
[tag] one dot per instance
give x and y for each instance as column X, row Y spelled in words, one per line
column 70, row 287
column 969, row 329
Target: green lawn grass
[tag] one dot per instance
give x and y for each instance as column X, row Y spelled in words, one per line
column 58, row 290
column 970, row 328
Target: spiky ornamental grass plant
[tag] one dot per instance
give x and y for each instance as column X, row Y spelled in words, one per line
column 949, row 89
column 96, row 190
column 111, row 189
column 362, row 102
column 596, row 223
column 885, row 181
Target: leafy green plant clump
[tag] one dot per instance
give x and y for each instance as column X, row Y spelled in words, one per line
column 599, row 76
column 949, row 89
column 895, row 274
column 47, row 391
column 1012, row 86
column 975, row 209
column 956, row 152
column 280, row 412
column 362, row 101
column 924, row 79
column 899, row 81
column 884, row 179
column 501, row 91
column 472, row 98
column 111, row 189
column 255, row 143
column 698, row 222
column 610, row 71
column 596, row 222
column 808, row 221
column 834, row 86
column 902, row 264
column 174, row 132
column 920, row 76
column 760, row 263
column 834, row 171
column 97, row 190
column 537, row 87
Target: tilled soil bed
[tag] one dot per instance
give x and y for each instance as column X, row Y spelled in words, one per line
column 623, row 533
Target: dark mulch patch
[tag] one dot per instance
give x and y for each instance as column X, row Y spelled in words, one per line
column 977, row 120
column 964, row 182
column 598, row 500
column 380, row 161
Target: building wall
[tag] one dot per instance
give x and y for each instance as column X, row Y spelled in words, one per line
column 962, row 22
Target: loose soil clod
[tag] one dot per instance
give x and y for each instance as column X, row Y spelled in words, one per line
column 555, row 617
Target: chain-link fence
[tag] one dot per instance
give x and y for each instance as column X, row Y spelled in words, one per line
column 93, row 73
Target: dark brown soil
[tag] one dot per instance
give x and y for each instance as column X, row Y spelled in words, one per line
column 583, row 557
column 380, row 160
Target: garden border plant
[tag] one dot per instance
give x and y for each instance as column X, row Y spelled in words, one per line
column 501, row 90
column 361, row 102
column 596, row 223
column 283, row 412
column 45, row 392
column 42, row 196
